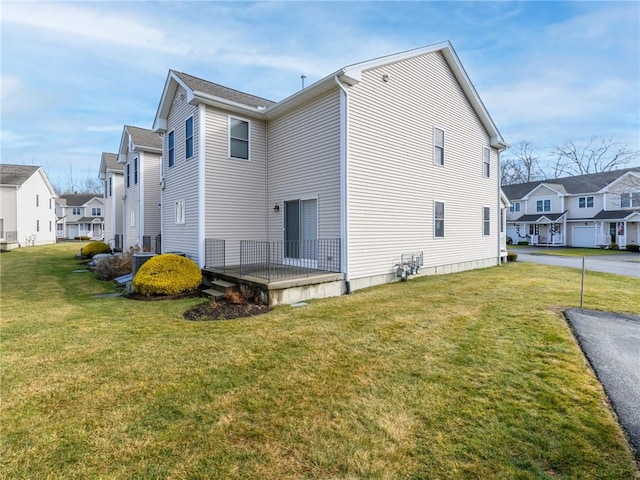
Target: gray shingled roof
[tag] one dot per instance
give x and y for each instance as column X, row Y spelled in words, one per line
column 613, row 214
column 111, row 161
column 216, row 90
column 572, row 185
column 78, row 199
column 534, row 217
column 16, row 174
column 144, row 138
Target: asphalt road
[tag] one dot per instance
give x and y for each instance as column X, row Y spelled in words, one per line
column 611, row 343
column 621, row 264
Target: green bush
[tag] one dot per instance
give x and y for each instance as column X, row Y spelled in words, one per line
column 523, row 242
column 82, row 237
column 614, row 246
column 512, row 257
column 167, row 274
column 94, row 248
column 632, row 248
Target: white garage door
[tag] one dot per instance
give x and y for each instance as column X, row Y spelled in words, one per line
column 584, row 237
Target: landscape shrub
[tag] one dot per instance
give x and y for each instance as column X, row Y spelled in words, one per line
column 116, row 266
column 512, row 257
column 94, row 248
column 523, row 242
column 82, row 237
column 509, row 240
column 614, row 246
column 632, row 248
column 167, row 274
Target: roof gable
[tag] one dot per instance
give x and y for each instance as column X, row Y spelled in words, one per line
column 79, row 199
column 138, row 139
column 16, row 174
column 109, row 163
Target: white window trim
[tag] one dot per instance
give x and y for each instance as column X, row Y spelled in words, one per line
column 444, row 143
column 544, row 200
column 485, row 222
column 484, row 173
column 513, row 209
column 132, row 218
column 232, row 117
column 586, row 201
column 180, row 212
column 169, row 149
column 186, row 139
column 444, row 219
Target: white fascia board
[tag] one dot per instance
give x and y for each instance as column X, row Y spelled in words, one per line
column 124, row 146
column 47, row 183
column 301, row 96
column 196, row 97
column 166, row 100
column 504, row 199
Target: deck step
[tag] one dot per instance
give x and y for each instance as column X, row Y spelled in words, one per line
column 211, row 293
column 222, row 285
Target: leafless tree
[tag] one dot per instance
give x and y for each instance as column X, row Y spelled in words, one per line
column 521, row 165
column 592, row 155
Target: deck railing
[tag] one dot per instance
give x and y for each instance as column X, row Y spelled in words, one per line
column 280, row 259
column 214, row 253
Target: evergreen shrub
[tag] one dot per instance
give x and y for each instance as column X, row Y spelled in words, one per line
column 94, row 248
column 167, row 274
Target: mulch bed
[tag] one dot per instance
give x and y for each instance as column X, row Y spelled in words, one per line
column 224, row 310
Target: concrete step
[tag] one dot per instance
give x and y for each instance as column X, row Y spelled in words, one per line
column 222, row 285
column 211, row 293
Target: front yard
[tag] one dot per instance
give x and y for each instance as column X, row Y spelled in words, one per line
column 471, row 375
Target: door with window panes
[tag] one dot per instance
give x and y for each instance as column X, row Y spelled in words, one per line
column 301, row 229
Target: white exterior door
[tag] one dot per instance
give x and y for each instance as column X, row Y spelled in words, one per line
column 584, row 237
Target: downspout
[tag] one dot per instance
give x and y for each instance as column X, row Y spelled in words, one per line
column 344, row 182
column 266, row 178
column 162, row 157
column 201, row 184
column 500, row 215
column 141, row 219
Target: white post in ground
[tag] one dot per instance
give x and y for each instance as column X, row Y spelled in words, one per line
column 582, row 285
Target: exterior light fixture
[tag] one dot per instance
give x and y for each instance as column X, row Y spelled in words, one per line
column 276, row 208
column 385, row 78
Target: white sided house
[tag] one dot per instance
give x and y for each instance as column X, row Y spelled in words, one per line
column 594, row 210
column 381, row 169
column 27, row 207
column 112, row 175
column 140, row 156
column 80, row 216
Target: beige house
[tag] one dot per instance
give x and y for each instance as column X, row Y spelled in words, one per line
column 580, row 211
column 112, row 175
column 80, row 215
column 27, row 207
column 140, row 155
column 382, row 167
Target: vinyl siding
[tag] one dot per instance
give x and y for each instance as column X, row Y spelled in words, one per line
column 572, row 204
column 393, row 181
column 181, row 181
column 9, row 208
column 544, row 193
column 304, row 163
column 150, row 175
column 28, row 212
column 132, row 237
column 627, row 185
column 113, row 207
column 235, row 189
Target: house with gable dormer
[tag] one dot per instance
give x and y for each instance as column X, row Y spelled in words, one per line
column 382, row 166
column 112, row 175
column 594, row 210
column 27, row 207
column 140, row 155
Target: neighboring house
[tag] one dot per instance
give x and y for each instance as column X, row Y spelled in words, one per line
column 140, row 155
column 27, row 207
column 384, row 161
column 112, row 174
column 582, row 211
column 80, row 215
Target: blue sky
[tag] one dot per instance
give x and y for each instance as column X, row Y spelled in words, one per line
column 74, row 73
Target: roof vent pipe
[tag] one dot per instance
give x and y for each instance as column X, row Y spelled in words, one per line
column 303, row 77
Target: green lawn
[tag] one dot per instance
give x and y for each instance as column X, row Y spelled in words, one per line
column 569, row 251
column 473, row 376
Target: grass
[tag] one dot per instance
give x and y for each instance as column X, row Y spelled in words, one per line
column 570, row 251
column 473, row 375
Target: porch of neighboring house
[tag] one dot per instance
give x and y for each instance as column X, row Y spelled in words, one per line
column 544, row 230
column 281, row 272
column 622, row 233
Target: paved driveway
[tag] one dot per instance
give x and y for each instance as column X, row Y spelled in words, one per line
column 620, row 264
column 611, row 342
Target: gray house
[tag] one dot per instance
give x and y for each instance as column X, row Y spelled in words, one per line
column 378, row 168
